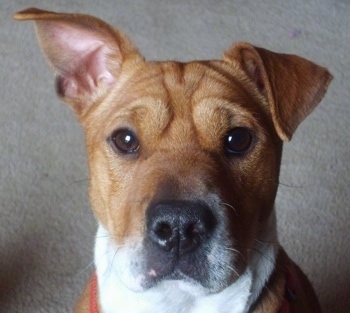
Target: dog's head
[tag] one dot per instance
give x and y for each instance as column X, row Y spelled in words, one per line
column 184, row 157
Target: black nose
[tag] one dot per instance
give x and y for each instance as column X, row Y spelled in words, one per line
column 179, row 226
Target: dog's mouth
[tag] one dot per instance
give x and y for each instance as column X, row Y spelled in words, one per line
column 209, row 268
column 154, row 278
column 186, row 269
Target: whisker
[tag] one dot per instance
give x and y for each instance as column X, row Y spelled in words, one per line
column 101, row 237
column 293, row 186
column 233, row 270
column 266, row 241
column 268, row 258
column 91, row 264
column 230, row 206
column 77, row 182
column 237, row 252
column 231, row 249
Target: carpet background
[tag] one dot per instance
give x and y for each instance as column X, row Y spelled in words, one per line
column 46, row 226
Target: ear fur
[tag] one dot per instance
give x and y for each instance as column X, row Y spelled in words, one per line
column 293, row 86
column 85, row 53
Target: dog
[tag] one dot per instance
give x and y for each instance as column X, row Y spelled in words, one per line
column 184, row 163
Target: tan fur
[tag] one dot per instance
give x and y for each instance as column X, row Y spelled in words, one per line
column 181, row 112
column 274, row 293
column 83, row 305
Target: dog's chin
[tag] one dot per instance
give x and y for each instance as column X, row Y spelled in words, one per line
column 210, row 282
column 137, row 280
column 181, row 281
column 205, row 282
column 185, row 284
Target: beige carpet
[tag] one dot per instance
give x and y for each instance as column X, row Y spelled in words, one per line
column 46, row 227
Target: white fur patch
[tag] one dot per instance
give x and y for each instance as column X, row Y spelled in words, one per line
column 112, row 267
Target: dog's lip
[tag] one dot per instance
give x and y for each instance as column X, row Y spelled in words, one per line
column 178, row 275
column 183, row 281
column 175, row 274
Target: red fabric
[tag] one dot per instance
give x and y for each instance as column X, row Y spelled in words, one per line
column 93, row 294
column 285, row 306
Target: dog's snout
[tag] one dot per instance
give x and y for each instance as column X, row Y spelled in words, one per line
column 179, row 226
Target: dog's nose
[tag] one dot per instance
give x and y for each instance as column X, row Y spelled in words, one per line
column 179, row 226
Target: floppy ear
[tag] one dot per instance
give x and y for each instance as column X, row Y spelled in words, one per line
column 85, row 53
column 293, row 86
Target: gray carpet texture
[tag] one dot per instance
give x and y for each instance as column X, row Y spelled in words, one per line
column 47, row 228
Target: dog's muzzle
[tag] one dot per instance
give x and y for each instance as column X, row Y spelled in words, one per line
column 177, row 228
column 178, row 239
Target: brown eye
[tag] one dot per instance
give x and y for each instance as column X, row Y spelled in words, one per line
column 125, row 141
column 238, row 140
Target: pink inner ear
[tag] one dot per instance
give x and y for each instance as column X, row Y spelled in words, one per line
column 80, row 57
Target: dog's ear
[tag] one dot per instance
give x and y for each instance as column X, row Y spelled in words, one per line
column 293, row 86
column 86, row 54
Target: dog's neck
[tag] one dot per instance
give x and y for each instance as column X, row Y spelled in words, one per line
column 179, row 297
column 262, row 262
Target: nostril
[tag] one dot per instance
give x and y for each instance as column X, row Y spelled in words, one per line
column 163, row 231
column 193, row 232
column 191, row 237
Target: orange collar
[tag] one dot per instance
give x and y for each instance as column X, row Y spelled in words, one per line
column 93, row 294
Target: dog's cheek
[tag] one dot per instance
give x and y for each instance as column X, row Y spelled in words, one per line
column 99, row 188
column 250, row 187
column 267, row 178
column 107, row 182
column 118, row 192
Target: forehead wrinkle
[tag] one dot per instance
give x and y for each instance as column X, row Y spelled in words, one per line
column 226, row 84
column 181, row 80
column 221, row 103
column 229, row 82
column 232, row 111
column 147, row 116
column 190, row 79
column 189, row 84
column 146, row 100
column 225, row 73
column 143, row 84
column 233, row 75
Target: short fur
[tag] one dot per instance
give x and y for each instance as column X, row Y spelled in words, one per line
column 179, row 116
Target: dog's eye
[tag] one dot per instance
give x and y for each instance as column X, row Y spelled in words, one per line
column 125, row 141
column 238, row 140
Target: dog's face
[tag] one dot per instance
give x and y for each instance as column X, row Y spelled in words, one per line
column 176, row 173
column 184, row 157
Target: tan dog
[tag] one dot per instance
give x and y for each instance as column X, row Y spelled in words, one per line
column 184, row 164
